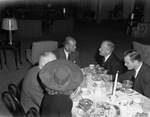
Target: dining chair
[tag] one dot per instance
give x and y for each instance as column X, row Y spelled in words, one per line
column 33, row 112
column 14, row 90
column 13, row 105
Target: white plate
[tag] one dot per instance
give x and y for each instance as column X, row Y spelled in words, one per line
column 135, row 105
column 121, row 100
column 128, row 91
column 86, row 93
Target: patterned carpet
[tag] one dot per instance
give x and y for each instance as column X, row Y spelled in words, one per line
column 88, row 36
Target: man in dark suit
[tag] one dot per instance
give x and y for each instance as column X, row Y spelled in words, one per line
column 68, row 51
column 108, row 59
column 139, row 72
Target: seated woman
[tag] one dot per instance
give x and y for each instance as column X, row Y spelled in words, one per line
column 60, row 78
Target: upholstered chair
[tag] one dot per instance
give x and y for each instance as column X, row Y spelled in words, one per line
column 144, row 51
column 33, row 54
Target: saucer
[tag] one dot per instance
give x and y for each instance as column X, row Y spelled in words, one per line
column 136, row 106
column 128, row 91
column 80, row 112
column 123, row 101
column 96, row 78
column 86, row 93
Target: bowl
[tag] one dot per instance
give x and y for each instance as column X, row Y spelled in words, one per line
column 127, row 84
column 85, row 104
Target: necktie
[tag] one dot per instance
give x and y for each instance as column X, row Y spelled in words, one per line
column 133, row 78
column 103, row 61
column 69, row 55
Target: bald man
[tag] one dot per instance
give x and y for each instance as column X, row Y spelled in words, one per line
column 109, row 60
column 68, row 51
column 32, row 92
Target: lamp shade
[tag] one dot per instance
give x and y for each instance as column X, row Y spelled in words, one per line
column 9, row 24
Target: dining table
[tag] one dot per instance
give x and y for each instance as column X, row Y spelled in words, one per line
column 93, row 98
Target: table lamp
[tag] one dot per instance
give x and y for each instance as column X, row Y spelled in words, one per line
column 9, row 24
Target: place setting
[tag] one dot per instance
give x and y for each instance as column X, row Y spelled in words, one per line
column 98, row 96
column 126, row 88
column 144, row 104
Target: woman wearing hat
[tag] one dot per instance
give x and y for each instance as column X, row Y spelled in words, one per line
column 60, row 78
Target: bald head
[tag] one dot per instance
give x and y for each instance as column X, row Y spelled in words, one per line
column 106, row 48
column 70, row 44
column 45, row 58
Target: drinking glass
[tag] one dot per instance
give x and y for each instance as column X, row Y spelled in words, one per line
column 127, row 84
column 146, row 106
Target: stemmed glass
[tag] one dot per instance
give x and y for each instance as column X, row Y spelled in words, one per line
column 146, row 106
column 127, row 84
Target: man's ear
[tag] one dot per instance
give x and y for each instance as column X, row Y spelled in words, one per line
column 136, row 61
column 108, row 51
column 66, row 46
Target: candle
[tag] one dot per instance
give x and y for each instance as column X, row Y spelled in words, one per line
column 132, row 15
column 115, row 85
column 64, row 10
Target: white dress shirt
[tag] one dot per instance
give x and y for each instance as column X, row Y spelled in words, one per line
column 137, row 70
column 106, row 57
column 67, row 54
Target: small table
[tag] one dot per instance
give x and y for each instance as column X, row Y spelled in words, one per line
column 15, row 48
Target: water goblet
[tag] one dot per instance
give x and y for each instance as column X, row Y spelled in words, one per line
column 146, row 106
column 127, row 84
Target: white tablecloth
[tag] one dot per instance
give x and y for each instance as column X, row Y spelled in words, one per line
column 128, row 110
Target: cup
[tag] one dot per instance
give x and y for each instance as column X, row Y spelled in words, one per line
column 91, row 66
column 98, row 83
column 84, row 90
column 136, row 101
column 80, row 112
column 146, row 106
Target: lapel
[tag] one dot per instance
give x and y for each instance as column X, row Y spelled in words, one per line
column 140, row 71
column 138, row 80
column 63, row 54
column 108, row 60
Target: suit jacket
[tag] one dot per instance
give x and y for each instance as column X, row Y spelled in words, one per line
column 142, row 81
column 31, row 92
column 74, row 57
column 112, row 64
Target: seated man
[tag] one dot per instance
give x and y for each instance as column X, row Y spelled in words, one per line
column 32, row 93
column 68, row 51
column 109, row 60
column 139, row 72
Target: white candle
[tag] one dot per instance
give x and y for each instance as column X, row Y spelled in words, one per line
column 64, row 10
column 115, row 85
column 132, row 15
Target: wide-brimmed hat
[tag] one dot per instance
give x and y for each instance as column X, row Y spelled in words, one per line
column 61, row 75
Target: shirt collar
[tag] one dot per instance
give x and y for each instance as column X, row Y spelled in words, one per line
column 106, row 57
column 138, row 69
